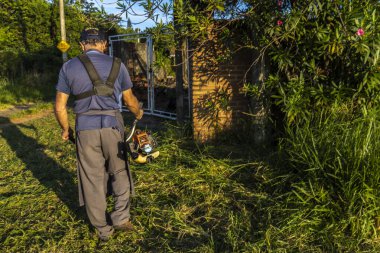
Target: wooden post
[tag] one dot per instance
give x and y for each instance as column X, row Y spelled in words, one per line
column 179, row 68
column 179, row 82
column 63, row 28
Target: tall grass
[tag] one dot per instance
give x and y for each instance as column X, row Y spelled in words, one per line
column 29, row 88
column 330, row 201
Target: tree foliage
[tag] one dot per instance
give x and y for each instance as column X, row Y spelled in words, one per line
column 321, row 52
column 26, row 27
column 30, row 31
column 325, row 52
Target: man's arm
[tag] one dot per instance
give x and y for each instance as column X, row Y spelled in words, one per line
column 132, row 103
column 61, row 113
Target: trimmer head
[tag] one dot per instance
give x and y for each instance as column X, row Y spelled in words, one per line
column 142, row 147
column 147, row 158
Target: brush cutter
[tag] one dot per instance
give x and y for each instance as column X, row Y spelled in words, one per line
column 141, row 145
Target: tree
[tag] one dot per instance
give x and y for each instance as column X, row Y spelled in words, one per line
column 129, row 23
column 320, row 51
column 29, row 32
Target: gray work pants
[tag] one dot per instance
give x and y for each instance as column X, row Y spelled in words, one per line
column 98, row 157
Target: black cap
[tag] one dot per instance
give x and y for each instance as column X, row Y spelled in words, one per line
column 92, row 34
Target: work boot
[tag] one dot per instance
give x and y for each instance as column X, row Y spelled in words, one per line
column 102, row 241
column 105, row 233
column 104, row 238
column 126, row 226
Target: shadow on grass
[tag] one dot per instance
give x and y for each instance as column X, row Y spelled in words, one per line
column 46, row 170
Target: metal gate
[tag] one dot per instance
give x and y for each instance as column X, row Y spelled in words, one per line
column 153, row 86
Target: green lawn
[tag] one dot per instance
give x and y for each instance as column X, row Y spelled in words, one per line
column 192, row 199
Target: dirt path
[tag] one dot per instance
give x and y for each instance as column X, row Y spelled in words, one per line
column 148, row 122
column 6, row 114
column 12, row 110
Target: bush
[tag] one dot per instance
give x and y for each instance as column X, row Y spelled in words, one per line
column 324, row 52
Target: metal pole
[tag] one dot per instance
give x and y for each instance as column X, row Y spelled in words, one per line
column 63, row 29
column 151, row 74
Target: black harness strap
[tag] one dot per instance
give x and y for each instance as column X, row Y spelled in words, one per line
column 85, row 94
column 95, row 78
column 92, row 73
column 114, row 73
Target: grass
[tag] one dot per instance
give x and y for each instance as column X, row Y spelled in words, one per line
column 331, row 199
column 30, row 88
column 27, row 112
column 187, row 201
column 319, row 194
column 25, row 96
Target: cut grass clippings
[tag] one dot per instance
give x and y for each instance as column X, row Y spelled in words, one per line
column 187, row 200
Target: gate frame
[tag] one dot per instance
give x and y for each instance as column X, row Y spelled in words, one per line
column 150, row 109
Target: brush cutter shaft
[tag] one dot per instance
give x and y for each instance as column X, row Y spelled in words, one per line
column 132, row 130
column 140, row 144
column 133, row 125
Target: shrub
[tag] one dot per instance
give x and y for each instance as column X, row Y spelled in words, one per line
column 324, row 52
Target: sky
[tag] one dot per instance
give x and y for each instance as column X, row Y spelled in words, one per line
column 137, row 21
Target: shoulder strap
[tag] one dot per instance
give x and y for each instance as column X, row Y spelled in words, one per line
column 114, row 73
column 92, row 73
column 94, row 76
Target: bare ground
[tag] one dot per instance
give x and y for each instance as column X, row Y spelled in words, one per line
column 6, row 120
column 147, row 122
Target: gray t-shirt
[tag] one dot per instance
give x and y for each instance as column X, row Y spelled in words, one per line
column 73, row 79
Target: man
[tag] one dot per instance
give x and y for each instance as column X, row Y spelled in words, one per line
column 97, row 80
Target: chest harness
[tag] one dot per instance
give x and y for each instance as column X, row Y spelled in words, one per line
column 99, row 87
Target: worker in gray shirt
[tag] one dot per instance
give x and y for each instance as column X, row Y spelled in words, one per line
column 98, row 81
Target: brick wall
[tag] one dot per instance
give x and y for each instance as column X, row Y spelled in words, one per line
column 217, row 98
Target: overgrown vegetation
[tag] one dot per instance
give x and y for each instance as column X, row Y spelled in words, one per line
column 331, row 203
column 318, row 193
column 324, row 78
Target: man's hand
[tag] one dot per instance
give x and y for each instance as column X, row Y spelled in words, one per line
column 68, row 135
column 132, row 103
column 140, row 114
column 65, row 134
column 61, row 114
